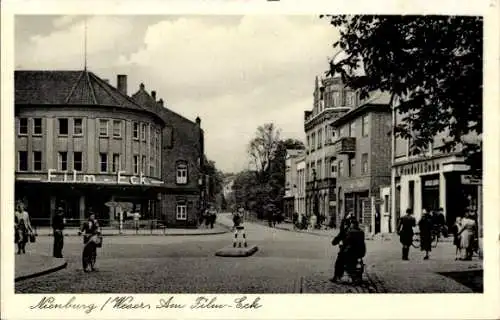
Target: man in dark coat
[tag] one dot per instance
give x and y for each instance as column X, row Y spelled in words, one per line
column 353, row 247
column 425, row 226
column 58, row 227
column 405, row 231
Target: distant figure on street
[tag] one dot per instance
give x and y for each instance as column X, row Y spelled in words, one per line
column 352, row 247
column 455, row 229
column 57, row 229
column 136, row 215
column 405, row 232
column 467, row 236
column 212, row 216
column 439, row 222
column 22, row 225
column 426, row 227
column 91, row 230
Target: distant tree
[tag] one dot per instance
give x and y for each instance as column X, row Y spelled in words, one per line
column 432, row 67
column 262, row 149
column 216, row 179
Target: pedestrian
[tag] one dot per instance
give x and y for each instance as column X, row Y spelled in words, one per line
column 206, row 217
column 425, row 226
column 91, row 230
column 212, row 216
column 352, row 248
column 136, row 215
column 439, row 222
column 405, row 232
column 23, row 227
column 455, row 229
column 57, row 231
column 467, row 236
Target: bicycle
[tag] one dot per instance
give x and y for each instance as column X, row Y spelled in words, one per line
column 89, row 254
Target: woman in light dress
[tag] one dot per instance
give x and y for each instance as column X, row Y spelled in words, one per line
column 455, row 229
column 467, row 236
column 22, row 227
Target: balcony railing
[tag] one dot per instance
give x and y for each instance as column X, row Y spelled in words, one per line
column 322, row 184
column 345, row 145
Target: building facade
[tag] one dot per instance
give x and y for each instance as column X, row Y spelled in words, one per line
column 291, row 183
column 362, row 156
column 330, row 101
column 86, row 146
column 431, row 179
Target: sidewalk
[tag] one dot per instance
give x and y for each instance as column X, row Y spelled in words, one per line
column 31, row 265
column 218, row 229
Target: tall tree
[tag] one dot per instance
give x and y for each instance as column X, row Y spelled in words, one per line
column 262, row 148
column 431, row 65
column 216, row 179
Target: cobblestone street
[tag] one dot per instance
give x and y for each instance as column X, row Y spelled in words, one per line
column 287, row 262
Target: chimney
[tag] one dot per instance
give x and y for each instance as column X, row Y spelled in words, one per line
column 153, row 94
column 121, row 83
column 198, row 121
column 160, row 102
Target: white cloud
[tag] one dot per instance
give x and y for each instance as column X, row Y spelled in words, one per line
column 63, row 21
column 236, row 75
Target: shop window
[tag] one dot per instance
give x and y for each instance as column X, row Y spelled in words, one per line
column 116, row 162
column 23, row 161
column 77, row 161
column 62, row 161
column 104, row 162
column 78, row 127
column 103, row 128
column 117, row 128
column 182, row 173
column 136, row 164
column 23, row 126
column 37, row 126
column 136, row 130
column 63, row 127
column 181, row 210
column 37, row 161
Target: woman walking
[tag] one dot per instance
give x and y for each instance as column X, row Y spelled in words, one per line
column 405, row 232
column 90, row 242
column 425, row 226
column 467, row 235
column 455, row 229
column 22, row 227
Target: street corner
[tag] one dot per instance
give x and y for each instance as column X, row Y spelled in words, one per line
column 34, row 265
column 236, row 252
column 320, row 283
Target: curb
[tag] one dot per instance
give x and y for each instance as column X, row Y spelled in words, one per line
column 41, row 273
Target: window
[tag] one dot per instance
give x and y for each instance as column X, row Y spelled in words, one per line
column 181, row 173
column 366, row 126
column 352, row 167
column 63, row 127
column 37, row 161
column 319, row 167
column 342, row 132
column 386, row 203
column 143, row 131
column 350, row 98
column 143, row 165
column 136, row 130
column 116, row 162
column 62, row 161
column 117, row 128
column 23, row 161
column 103, row 128
column 136, row 164
column 181, row 211
column 78, row 127
column 341, row 168
column 23, row 126
column 37, row 126
column 320, row 138
column 364, row 163
column 77, row 161
column 336, row 99
column 352, row 129
column 152, row 170
column 308, row 142
column 334, row 169
column 313, row 141
column 104, row 162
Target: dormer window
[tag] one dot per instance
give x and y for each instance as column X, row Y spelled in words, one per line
column 181, row 173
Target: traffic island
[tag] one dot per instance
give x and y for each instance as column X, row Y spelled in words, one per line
column 231, row 251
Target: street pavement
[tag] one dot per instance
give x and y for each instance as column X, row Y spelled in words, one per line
column 287, row 262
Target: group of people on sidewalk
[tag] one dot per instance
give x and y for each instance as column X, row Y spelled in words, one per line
column 208, row 217
column 433, row 225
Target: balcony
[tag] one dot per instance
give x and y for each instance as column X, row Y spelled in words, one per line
column 345, row 145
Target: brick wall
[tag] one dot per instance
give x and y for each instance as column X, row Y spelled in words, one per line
column 380, row 159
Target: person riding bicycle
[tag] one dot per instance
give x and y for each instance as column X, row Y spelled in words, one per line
column 352, row 248
column 439, row 223
column 91, row 230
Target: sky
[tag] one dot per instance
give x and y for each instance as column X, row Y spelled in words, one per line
column 234, row 72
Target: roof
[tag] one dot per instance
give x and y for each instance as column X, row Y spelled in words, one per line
column 377, row 100
column 49, row 87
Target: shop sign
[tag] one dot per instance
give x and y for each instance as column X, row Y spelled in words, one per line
column 468, row 179
column 119, row 178
column 418, row 168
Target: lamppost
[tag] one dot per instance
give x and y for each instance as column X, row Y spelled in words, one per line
column 315, row 198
